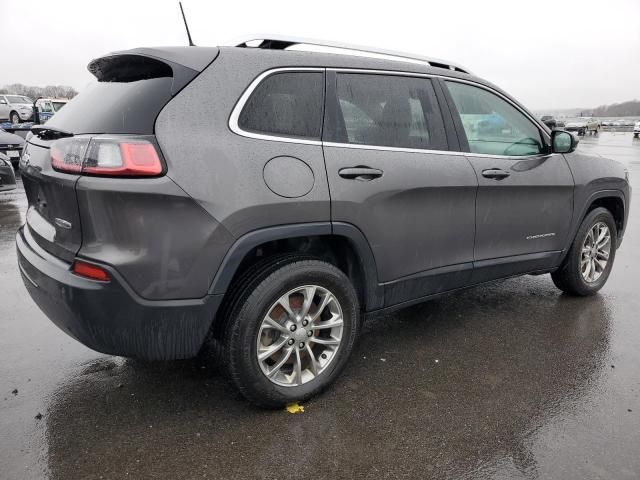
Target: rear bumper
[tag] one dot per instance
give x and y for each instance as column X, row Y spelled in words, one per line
column 108, row 316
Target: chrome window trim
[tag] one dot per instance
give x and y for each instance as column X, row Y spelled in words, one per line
column 433, row 152
column 237, row 109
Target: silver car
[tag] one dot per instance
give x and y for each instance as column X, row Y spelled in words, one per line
column 16, row 108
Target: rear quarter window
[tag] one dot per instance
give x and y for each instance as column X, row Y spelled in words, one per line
column 288, row 104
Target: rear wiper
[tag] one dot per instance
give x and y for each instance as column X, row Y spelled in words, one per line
column 48, row 133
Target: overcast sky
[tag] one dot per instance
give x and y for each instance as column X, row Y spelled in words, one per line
column 547, row 53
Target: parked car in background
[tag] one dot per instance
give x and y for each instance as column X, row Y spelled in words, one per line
column 7, row 175
column 636, row 130
column 341, row 185
column 16, row 108
column 583, row 125
column 58, row 103
column 549, row 121
column 45, row 110
column 11, row 145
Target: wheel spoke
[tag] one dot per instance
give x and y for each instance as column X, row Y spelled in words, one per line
column 271, row 349
column 276, row 368
column 325, row 341
column 312, row 358
column 271, row 323
column 309, row 294
column 298, row 369
column 603, row 242
column 335, row 321
column 587, row 271
column 601, row 263
column 603, row 254
column 325, row 301
column 284, row 302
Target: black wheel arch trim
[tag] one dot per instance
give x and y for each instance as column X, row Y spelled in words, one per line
column 373, row 294
column 583, row 212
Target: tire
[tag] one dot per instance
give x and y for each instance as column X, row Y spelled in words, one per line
column 14, row 118
column 569, row 277
column 257, row 295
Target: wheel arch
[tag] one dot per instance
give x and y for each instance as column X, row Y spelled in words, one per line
column 612, row 200
column 341, row 244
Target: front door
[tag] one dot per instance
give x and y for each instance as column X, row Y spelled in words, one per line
column 390, row 175
column 525, row 195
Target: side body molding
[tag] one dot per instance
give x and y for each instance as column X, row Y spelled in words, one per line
column 373, row 294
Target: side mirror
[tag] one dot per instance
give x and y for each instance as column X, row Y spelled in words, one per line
column 3, row 101
column 563, row 141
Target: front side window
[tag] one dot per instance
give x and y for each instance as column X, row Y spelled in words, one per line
column 493, row 126
column 286, row 104
column 388, row 111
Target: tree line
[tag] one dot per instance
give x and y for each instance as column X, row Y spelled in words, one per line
column 50, row 91
column 624, row 109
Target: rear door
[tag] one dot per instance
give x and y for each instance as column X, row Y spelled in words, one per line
column 391, row 176
column 525, row 195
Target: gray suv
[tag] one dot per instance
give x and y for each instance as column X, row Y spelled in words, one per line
column 258, row 201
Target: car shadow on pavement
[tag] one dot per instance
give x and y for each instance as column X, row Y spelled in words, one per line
column 448, row 389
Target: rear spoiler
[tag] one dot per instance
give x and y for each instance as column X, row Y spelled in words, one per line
column 181, row 63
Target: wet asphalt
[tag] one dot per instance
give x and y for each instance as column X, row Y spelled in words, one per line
column 506, row 381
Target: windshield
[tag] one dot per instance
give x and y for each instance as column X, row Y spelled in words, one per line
column 58, row 105
column 18, row 99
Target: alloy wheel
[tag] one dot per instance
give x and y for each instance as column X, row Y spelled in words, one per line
column 300, row 335
column 596, row 249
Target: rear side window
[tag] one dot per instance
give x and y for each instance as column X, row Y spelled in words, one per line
column 286, row 104
column 388, row 111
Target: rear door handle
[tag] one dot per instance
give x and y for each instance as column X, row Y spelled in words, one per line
column 495, row 173
column 364, row 174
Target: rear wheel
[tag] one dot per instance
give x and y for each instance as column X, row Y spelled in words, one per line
column 588, row 263
column 290, row 331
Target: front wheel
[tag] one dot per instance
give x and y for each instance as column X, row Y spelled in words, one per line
column 15, row 118
column 290, row 332
column 588, row 263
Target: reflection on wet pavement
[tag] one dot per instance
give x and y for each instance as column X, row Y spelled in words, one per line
column 510, row 380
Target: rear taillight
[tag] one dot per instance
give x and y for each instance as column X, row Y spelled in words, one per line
column 107, row 156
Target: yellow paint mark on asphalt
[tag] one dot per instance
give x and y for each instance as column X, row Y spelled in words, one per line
column 295, row 408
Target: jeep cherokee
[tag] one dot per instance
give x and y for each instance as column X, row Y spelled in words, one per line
column 259, row 201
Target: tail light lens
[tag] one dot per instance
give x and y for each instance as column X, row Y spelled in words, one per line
column 91, row 271
column 107, row 156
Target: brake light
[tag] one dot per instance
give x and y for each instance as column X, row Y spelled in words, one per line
column 88, row 270
column 107, row 156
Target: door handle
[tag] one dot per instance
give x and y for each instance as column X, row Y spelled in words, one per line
column 364, row 174
column 495, row 173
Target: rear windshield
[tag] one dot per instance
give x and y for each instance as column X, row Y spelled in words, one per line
column 115, row 107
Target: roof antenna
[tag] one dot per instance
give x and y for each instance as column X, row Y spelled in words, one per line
column 191, row 44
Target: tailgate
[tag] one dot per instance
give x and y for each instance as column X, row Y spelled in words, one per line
column 53, row 218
